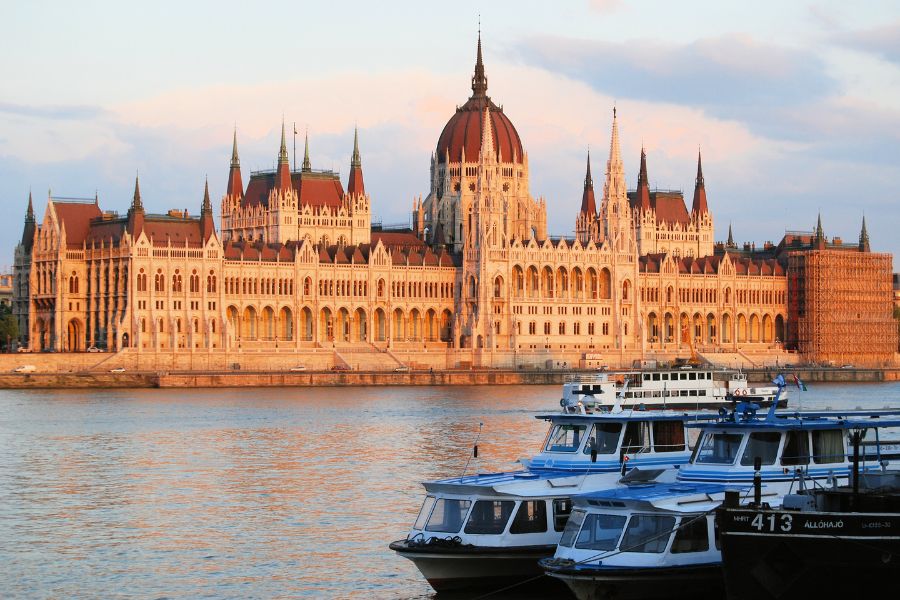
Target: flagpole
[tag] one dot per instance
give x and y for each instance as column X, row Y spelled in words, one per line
column 295, row 145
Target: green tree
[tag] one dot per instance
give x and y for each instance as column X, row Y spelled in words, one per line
column 9, row 327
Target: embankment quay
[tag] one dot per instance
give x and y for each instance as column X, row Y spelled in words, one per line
column 276, row 378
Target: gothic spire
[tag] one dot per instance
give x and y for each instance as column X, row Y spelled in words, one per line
column 235, row 187
column 614, row 187
column 207, row 205
column 643, row 185
column 864, row 237
column 283, row 174
column 819, row 240
column 307, row 166
column 730, row 242
column 588, row 203
column 355, row 185
column 235, row 160
column 29, row 214
column 699, row 207
column 29, row 228
column 282, row 152
column 136, row 203
column 355, row 161
column 479, row 81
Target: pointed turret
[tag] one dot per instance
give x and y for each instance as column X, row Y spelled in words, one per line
column 355, row 185
column 235, row 184
column 819, row 240
column 730, row 243
column 642, row 199
column 28, row 230
column 699, row 207
column 136, row 203
column 307, row 166
column 206, row 214
column 283, row 174
column 863, row 237
column 614, row 187
column 136, row 211
column 479, row 80
column 588, row 203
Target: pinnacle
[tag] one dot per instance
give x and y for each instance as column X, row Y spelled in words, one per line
column 282, row 153
column 235, row 160
column 136, row 202
column 307, row 166
column 355, row 161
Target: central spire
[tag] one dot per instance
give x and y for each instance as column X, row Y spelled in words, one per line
column 479, row 81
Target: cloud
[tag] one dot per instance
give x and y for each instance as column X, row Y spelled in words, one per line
column 732, row 77
column 882, row 41
column 73, row 112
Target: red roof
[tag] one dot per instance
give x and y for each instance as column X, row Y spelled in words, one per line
column 163, row 229
column 315, row 189
column 76, row 217
column 397, row 239
column 463, row 130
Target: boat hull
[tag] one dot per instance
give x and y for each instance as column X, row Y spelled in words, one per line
column 823, row 555
column 478, row 568
column 608, row 583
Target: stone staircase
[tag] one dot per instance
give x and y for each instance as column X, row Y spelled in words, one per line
column 365, row 357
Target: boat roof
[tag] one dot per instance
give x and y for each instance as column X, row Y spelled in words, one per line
column 793, row 419
column 629, row 414
column 676, row 496
column 524, row 483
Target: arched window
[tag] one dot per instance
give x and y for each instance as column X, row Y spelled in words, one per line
column 176, row 281
column 159, row 283
column 195, row 282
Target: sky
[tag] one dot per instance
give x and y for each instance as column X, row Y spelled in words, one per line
column 794, row 105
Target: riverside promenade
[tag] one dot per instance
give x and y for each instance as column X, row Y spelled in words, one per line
column 84, row 370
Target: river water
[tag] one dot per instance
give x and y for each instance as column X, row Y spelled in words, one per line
column 252, row 493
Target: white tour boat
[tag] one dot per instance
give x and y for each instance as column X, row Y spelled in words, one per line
column 489, row 530
column 684, row 388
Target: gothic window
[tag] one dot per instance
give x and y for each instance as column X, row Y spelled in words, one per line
column 159, row 283
column 562, row 328
column 625, row 286
column 195, row 282
column 307, row 284
column 142, row 281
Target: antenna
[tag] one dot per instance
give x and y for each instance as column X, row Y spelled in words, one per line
column 474, row 449
column 295, row 145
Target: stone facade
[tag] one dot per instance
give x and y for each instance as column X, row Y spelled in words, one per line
column 297, row 264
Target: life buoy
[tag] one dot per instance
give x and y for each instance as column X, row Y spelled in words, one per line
column 743, row 392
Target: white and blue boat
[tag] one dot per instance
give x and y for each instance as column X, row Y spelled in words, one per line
column 489, row 530
column 740, row 450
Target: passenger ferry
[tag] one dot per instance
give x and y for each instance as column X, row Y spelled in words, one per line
column 684, row 388
column 489, row 530
column 738, row 450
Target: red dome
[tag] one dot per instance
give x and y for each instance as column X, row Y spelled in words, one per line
column 463, row 130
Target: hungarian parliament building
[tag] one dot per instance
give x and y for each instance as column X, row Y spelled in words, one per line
column 297, row 263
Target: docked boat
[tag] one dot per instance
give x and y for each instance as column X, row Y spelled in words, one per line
column 642, row 541
column 841, row 541
column 485, row 531
column 738, row 450
column 685, row 388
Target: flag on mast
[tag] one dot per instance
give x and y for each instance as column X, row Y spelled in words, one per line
column 800, row 384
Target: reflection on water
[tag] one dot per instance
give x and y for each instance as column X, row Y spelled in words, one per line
column 250, row 493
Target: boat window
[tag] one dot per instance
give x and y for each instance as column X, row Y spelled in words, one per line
column 637, row 437
column 530, row 518
column 718, row 448
column 648, row 533
column 668, row 436
column 796, row 448
column 424, row 512
column 692, row 376
column 565, row 438
column 828, row 446
column 656, row 377
column 573, row 526
column 562, row 508
column 605, row 438
column 448, row 515
column 763, row 444
column 600, row 532
column 693, row 536
column 489, row 516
